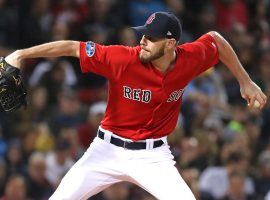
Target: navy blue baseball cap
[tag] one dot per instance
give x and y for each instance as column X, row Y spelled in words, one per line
column 161, row 25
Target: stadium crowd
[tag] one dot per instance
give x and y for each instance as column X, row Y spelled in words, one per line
column 221, row 146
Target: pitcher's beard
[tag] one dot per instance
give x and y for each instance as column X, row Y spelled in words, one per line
column 147, row 59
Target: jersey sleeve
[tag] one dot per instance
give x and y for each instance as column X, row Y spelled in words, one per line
column 108, row 61
column 203, row 52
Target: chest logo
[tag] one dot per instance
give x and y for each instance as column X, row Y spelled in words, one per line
column 137, row 94
column 175, row 95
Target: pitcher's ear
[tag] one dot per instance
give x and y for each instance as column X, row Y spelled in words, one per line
column 171, row 43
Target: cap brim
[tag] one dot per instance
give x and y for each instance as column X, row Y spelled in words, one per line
column 142, row 30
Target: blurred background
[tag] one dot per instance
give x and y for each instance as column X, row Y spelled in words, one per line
column 221, row 146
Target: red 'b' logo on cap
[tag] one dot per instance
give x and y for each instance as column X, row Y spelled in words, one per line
column 151, row 18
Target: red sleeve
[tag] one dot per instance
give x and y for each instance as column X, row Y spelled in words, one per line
column 203, row 53
column 107, row 61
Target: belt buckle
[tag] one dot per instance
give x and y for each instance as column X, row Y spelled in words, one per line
column 125, row 142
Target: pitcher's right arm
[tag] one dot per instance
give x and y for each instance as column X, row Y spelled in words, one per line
column 51, row 49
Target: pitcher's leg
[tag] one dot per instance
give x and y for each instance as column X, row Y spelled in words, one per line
column 154, row 171
column 163, row 181
column 90, row 175
column 82, row 182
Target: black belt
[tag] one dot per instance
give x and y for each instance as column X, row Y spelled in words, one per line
column 129, row 145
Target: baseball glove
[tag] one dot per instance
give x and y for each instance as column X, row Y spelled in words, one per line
column 12, row 91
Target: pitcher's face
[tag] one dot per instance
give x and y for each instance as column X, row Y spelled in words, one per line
column 151, row 49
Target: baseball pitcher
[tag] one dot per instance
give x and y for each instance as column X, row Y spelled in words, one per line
column 145, row 89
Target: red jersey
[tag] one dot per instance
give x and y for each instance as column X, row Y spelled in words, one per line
column 144, row 103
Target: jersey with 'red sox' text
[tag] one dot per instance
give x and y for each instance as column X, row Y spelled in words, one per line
column 143, row 102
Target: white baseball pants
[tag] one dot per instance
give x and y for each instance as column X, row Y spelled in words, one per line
column 104, row 164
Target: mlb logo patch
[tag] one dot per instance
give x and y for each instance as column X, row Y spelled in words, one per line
column 90, row 48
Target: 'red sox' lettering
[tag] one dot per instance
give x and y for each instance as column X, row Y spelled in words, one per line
column 137, row 94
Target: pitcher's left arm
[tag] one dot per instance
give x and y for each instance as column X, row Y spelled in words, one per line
column 251, row 92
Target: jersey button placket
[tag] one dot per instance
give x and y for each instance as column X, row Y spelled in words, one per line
column 163, row 89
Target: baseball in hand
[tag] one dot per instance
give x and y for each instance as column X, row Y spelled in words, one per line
column 256, row 104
